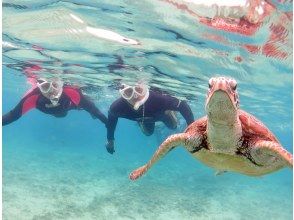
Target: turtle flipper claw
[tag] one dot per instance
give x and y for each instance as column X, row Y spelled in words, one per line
column 138, row 172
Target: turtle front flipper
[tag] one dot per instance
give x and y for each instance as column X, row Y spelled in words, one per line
column 170, row 143
column 270, row 153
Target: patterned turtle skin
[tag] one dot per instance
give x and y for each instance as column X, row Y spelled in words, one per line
column 227, row 138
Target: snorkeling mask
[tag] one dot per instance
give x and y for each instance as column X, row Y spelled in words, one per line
column 134, row 92
column 51, row 89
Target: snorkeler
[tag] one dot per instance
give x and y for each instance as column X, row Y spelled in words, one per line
column 139, row 104
column 53, row 98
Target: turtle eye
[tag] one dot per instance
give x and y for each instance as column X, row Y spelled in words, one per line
column 233, row 84
column 210, row 82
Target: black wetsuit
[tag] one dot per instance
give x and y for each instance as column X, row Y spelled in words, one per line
column 153, row 110
column 71, row 98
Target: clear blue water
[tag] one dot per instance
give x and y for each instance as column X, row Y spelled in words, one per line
column 59, row 169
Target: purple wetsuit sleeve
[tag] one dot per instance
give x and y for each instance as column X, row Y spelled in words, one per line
column 115, row 111
column 112, row 122
column 172, row 103
column 186, row 112
column 90, row 107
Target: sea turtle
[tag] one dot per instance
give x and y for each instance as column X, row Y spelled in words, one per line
column 227, row 138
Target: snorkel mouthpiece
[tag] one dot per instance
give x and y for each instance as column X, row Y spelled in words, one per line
column 54, row 101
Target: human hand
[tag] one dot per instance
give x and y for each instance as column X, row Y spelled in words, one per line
column 110, row 147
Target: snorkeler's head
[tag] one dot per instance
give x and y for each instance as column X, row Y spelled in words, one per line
column 51, row 89
column 136, row 95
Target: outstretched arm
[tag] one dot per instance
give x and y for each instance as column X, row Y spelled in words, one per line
column 90, row 107
column 10, row 117
column 22, row 107
column 170, row 143
column 112, row 122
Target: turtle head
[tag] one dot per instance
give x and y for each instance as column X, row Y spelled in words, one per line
column 222, row 101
